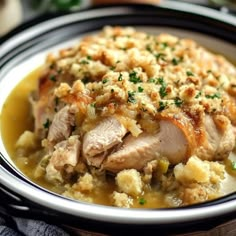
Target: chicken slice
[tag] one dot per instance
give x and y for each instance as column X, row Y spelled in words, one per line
column 65, row 153
column 170, row 142
column 62, row 124
column 108, row 133
column 218, row 138
column 177, row 140
column 43, row 104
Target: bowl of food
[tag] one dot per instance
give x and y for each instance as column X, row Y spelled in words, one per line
column 121, row 115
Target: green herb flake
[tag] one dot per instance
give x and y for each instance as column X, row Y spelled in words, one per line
column 140, row 89
column 112, row 90
column 152, row 80
column 134, row 78
column 176, row 61
column 162, row 106
column 142, row 201
column 93, row 104
column 189, row 73
column 162, row 90
column 233, row 165
column 164, row 45
column 84, row 62
column 47, row 124
column 120, row 77
column 89, row 57
column 112, row 68
column 209, row 71
column 104, row 81
column 148, row 48
column 198, row 95
column 178, row 102
column 160, row 56
column 131, row 97
column 53, row 78
column 213, row 96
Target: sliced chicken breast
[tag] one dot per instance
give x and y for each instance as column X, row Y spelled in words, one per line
column 62, row 124
column 108, row 133
column 170, row 142
column 65, row 153
column 218, row 138
column 177, row 140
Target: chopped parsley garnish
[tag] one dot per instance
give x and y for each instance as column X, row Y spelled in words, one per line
column 209, row 71
column 178, row 102
column 84, row 62
column 131, row 98
column 213, row 96
column 47, row 124
column 189, row 73
column 140, row 89
column 93, row 104
column 176, row 61
column 162, row 90
column 118, row 62
column 152, row 80
column 148, row 48
column 53, row 78
column 104, row 81
column 89, row 57
column 112, row 90
column 160, row 56
column 162, row 106
column 134, row 78
column 198, row 95
column 233, row 165
column 112, row 68
column 120, row 77
column 142, row 201
column 164, row 45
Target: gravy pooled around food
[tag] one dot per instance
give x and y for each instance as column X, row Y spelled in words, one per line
column 129, row 119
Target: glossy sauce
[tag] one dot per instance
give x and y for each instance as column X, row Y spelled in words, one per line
column 16, row 118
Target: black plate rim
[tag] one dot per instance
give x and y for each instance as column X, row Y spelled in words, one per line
column 110, row 214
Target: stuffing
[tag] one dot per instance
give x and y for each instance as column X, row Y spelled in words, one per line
column 27, row 140
column 85, row 183
column 122, row 199
column 130, row 182
column 198, row 171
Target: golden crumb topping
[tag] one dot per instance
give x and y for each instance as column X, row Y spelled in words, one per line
column 135, row 75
